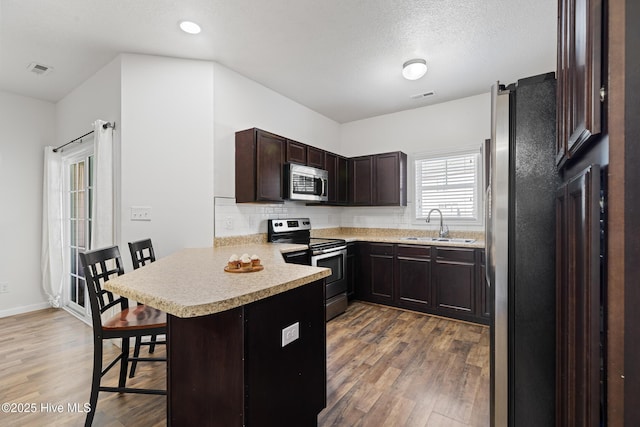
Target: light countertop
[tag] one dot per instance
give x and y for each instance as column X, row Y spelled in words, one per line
column 380, row 235
column 192, row 282
column 402, row 240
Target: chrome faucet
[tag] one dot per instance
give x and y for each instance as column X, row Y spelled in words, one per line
column 444, row 231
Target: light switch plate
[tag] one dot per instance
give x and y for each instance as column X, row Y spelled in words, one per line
column 290, row 334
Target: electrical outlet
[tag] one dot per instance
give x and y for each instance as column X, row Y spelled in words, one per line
column 4, row 288
column 140, row 213
column 290, row 334
column 228, row 223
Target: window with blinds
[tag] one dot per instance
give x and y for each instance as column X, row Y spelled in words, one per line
column 449, row 183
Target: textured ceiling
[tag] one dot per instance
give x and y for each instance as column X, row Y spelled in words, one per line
column 341, row 58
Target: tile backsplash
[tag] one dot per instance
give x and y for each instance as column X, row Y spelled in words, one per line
column 233, row 219
column 239, row 219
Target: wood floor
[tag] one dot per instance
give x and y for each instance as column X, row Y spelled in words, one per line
column 385, row 367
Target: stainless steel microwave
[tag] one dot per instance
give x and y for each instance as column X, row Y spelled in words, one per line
column 306, row 183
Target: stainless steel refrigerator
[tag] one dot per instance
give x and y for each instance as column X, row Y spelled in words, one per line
column 520, row 251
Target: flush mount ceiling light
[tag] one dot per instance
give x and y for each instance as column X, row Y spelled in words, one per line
column 190, row 27
column 414, row 69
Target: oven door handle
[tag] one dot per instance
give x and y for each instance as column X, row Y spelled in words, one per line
column 328, row 251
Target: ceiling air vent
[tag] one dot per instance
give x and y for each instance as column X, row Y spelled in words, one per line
column 422, row 95
column 39, row 69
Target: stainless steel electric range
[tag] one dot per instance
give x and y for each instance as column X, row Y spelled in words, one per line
column 321, row 252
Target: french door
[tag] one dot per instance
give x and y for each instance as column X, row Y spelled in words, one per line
column 78, row 200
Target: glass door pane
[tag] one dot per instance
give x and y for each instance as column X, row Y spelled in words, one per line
column 78, row 225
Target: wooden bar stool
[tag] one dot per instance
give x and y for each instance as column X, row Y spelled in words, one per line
column 99, row 265
column 142, row 253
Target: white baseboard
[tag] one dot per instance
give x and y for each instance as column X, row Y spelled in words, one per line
column 24, row 309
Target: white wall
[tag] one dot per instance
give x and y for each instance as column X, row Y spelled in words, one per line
column 26, row 126
column 167, row 159
column 241, row 103
column 96, row 98
column 459, row 124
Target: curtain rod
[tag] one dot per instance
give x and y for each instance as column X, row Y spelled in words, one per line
column 104, row 126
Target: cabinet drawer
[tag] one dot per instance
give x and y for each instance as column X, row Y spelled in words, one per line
column 414, row 251
column 381, row 249
column 456, row 254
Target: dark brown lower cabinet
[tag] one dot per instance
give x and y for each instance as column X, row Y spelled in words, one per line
column 578, row 301
column 413, row 277
column 436, row 280
column 381, row 260
column 230, row 368
column 454, row 280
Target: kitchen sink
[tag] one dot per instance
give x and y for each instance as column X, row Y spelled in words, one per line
column 440, row 239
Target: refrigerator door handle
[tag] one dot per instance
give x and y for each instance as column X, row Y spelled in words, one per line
column 487, row 234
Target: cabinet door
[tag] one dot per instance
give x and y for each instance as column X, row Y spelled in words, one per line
column 269, row 162
column 454, row 280
column 343, row 180
column 352, row 249
column 362, row 279
column 315, row 157
column 413, row 277
column 578, row 299
column 579, row 74
column 390, row 179
column 331, row 165
column 245, row 166
column 296, row 152
column 381, row 272
column 361, row 177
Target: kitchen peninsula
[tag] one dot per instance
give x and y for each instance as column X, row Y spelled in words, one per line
column 232, row 358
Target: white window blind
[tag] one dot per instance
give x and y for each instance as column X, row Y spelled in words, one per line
column 448, row 183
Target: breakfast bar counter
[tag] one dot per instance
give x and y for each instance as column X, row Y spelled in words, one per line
column 242, row 348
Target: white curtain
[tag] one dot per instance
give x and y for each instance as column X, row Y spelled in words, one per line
column 51, row 255
column 102, row 229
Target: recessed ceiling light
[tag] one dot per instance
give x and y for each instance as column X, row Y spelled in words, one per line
column 414, row 69
column 190, row 27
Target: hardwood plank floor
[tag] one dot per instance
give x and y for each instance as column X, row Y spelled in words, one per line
column 385, row 367
column 388, row 367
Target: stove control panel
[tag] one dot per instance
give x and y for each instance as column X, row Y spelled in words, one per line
column 290, row 224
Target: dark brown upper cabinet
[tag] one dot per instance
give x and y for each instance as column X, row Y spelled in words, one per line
column 336, row 166
column 304, row 154
column 379, row 180
column 579, row 114
column 331, row 165
column 315, row 157
column 361, row 180
column 296, row 152
column 260, row 157
column 343, row 180
column 375, row 180
column 390, row 179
